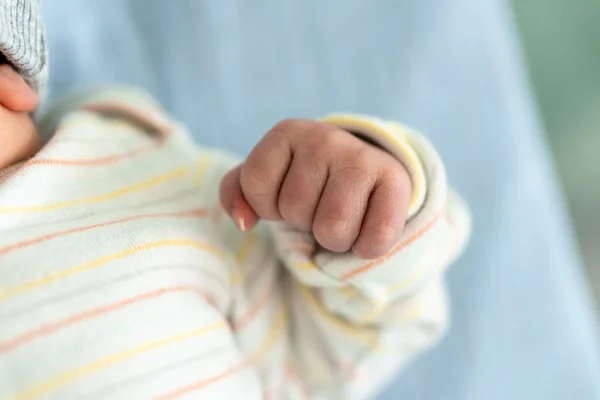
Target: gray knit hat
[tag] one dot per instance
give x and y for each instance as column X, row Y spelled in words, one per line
column 22, row 41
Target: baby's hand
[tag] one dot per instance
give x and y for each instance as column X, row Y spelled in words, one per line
column 347, row 192
column 19, row 139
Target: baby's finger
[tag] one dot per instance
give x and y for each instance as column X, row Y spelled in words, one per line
column 385, row 216
column 302, row 189
column 264, row 171
column 341, row 209
column 23, row 145
column 15, row 93
column 233, row 201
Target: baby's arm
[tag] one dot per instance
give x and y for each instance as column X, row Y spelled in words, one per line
column 354, row 323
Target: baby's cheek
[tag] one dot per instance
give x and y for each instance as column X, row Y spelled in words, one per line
column 19, row 139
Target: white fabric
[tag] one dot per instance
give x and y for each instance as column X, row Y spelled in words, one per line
column 122, row 278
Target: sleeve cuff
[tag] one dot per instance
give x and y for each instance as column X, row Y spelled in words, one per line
column 393, row 138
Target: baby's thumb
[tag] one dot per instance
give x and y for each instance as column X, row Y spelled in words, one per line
column 234, row 203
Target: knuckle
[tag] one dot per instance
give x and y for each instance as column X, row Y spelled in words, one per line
column 332, row 137
column 399, row 189
column 292, row 210
column 357, row 174
column 393, row 181
column 377, row 240
column 365, row 252
column 285, row 127
column 327, row 140
column 359, row 166
column 256, row 179
column 397, row 175
column 334, row 232
column 335, row 224
column 368, row 252
column 383, row 234
column 397, row 186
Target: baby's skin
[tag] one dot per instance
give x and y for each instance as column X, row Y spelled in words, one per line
column 18, row 137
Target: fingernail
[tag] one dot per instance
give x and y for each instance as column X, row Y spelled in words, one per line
column 241, row 224
column 238, row 219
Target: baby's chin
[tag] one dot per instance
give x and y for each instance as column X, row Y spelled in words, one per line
column 19, row 139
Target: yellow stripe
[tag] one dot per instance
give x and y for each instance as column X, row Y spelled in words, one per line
column 203, row 162
column 78, row 373
column 75, row 123
column 175, row 174
column 414, row 312
column 355, row 332
column 275, row 333
column 305, row 266
column 418, row 273
column 371, row 314
column 96, row 263
column 88, row 120
column 402, row 145
column 237, row 277
column 382, row 302
column 246, row 249
column 241, row 256
column 124, row 124
column 348, row 291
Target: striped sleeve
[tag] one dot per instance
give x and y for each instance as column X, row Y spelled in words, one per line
column 113, row 284
column 356, row 323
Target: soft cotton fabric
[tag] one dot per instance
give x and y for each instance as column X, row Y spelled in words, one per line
column 122, row 278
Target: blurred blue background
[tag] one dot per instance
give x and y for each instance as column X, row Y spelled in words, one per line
column 562, row 43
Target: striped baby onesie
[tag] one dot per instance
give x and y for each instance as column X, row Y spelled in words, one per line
column 122, row 278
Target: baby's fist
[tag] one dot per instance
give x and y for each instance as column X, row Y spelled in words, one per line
column 350, row 194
